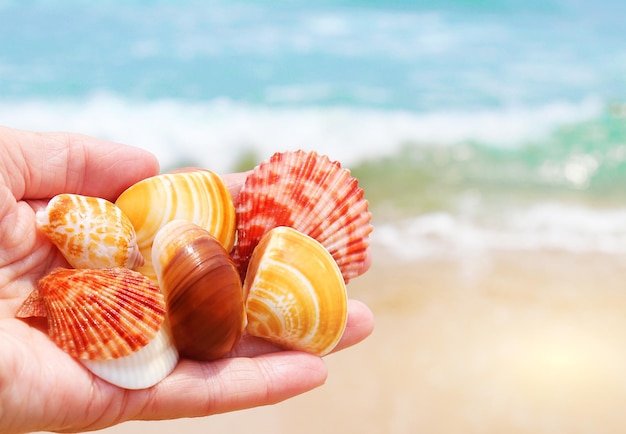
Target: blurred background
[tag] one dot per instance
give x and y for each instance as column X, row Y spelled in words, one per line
column 489, row 136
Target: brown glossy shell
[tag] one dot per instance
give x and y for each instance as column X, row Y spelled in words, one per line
column 198, row 196
column 101, row 313
column 296, row 295
column 312, row 194
column 90, row 232
column 202, row 289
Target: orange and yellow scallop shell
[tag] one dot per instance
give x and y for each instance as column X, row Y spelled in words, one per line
column 295, row 293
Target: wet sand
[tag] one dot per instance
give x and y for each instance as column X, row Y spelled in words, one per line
column 511, row 342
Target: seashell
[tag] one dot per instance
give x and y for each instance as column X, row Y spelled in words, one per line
column 199, row 196
column 202, row 288
column 32, row 306
column 102, row 313
column 312, row 194
column 143, row 368
column 112, row 320
column 90, row 232
column 296, row 295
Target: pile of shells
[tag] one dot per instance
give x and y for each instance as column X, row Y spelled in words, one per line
column 177, row 268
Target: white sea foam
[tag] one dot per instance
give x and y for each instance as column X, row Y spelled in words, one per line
column 213, row 134
column 544, row 226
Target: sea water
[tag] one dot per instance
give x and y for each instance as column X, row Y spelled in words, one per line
column 472, row 125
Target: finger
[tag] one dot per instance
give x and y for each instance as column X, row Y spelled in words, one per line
column 200, row 389
column 359, row 326
column 234, row 182
column 45, row 164
column 251, row 346
column 234, row 384
column 237, row 383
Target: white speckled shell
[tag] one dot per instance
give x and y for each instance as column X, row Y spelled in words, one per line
column 90, row 232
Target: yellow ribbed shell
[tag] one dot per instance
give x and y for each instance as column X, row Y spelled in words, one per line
column 198, row 196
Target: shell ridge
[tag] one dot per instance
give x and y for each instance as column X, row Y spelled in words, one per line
column 60, row 331
column 324, row 182
column 108, row 315
column 344, row 208
column 133, row 317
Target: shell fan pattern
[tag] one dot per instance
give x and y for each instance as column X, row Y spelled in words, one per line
column 100, row 314
column 311, row 194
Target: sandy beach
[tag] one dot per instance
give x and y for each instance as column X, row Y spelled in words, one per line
column 527, row 342
column 489, row 138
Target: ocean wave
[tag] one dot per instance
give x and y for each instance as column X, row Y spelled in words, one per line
column 214, row 134
column 546, row 226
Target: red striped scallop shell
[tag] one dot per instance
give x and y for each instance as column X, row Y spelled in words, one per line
column 311, row 194
column 100, row 314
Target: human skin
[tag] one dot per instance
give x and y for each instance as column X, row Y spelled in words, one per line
column 43, row 388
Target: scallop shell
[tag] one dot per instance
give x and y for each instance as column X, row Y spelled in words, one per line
column 102, row 313
column 32, row 306
column 202, row 289
column 141, row 369
column 312, row 194
column 198, row 196
column 90, row 232
column 296, row 295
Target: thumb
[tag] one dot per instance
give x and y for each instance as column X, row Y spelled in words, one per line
column 41, row 165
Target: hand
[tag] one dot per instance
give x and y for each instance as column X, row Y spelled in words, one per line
column 43, row 388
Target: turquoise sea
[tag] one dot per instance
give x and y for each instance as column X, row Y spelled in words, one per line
column 473, row 125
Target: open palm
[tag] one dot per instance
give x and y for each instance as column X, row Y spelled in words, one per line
column 41, row 387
